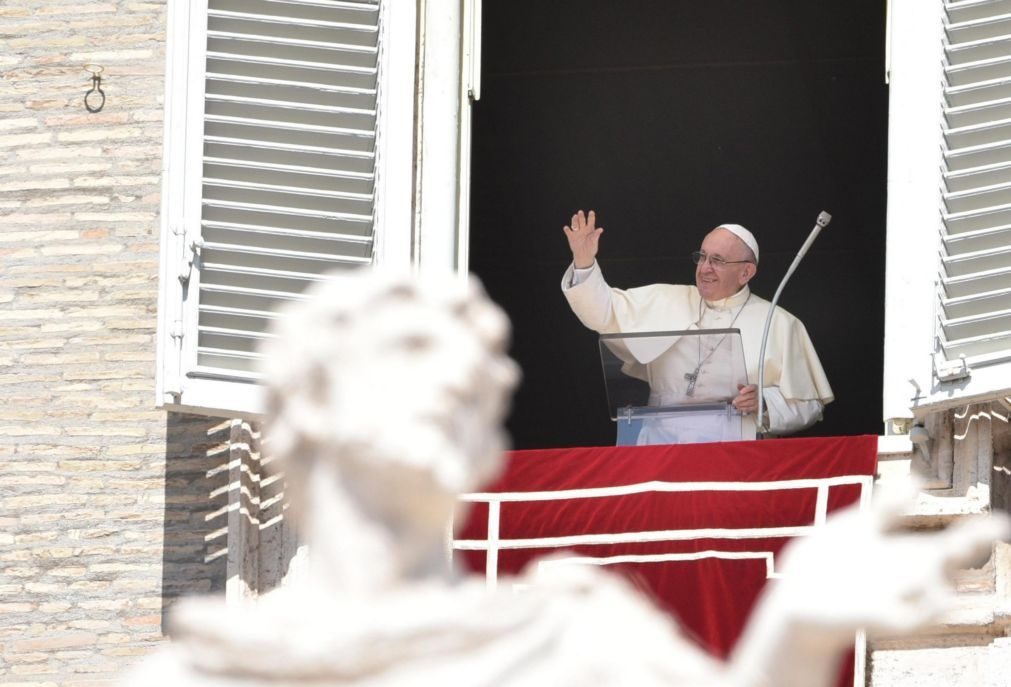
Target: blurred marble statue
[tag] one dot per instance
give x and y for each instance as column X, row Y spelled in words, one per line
column 386, row 400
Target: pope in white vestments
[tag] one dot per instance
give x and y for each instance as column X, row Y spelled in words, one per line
column 796, row 388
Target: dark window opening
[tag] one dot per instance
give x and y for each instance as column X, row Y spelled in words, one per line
column 669, row 118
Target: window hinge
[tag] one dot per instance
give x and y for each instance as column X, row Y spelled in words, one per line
column 191, row 251
column 951, row 370
column 173, row 389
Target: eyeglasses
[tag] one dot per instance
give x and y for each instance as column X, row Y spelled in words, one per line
column 698, row 257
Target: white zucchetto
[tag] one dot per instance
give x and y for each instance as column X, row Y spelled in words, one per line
column 743, row 234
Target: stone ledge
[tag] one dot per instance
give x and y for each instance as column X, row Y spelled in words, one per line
column 933, row 508
column 977, row 620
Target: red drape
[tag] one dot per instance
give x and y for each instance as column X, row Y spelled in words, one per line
column 712, row 596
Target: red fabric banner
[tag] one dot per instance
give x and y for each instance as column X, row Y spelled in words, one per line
column 701, row 551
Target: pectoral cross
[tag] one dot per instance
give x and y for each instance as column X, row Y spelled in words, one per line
column 692, row 378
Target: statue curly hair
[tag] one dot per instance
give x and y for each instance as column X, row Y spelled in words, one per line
column 395, row 385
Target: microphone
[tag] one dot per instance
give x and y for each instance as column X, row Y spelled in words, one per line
column 823, row 219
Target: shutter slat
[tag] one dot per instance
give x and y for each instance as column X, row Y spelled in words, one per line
column 991, row 69
column 212, row 310
column 978, row 93
column 280, row 117
column 211, row 320
column 286, row 219
column 258, row 279
column 306, row 89
column 363, row 19
column 295, row 89
column 978, row 29
column 308, row 36
column 290, row 276
column 320, row 74
column 283, row 235
column 976, row 114
column 989, row 133
column 231, row 295
column 977, row 262
column 976, row 177
column 357, row 59
column 289, row 246
column 236, row 39
column 359, row 18
column 238, row 167
column 337, row 139
column 271, row 128
column 263, row 253
column 282, row 152
column 977, row 51
column 977, row 326
column 290, row 210
column 972, row 284
column 967, row 10
column 976, row 219
column 978, row 303
column 275, row 260
column 243, row 61
column 983, row 156
column 974, row 198
column 998, row 343
column 304, row 203
column 263, row 188
column 243, row 341
column 224, row 100
column 289, row 7
column 227, row 299
column 972, row 241
column 226, row 366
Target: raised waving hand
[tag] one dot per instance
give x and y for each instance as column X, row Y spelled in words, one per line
column 584, row 236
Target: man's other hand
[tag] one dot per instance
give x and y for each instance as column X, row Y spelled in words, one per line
column 747, row 398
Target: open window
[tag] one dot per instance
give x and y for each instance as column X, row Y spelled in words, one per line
column 948, row 303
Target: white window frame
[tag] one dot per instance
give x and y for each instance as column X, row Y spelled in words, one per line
column 913, row 214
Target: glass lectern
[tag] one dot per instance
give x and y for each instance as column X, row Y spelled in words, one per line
column 675, row 387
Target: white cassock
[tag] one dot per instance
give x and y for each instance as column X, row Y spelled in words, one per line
column 796, row 387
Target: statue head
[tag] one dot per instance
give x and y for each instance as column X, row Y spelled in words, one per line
column 395, row 388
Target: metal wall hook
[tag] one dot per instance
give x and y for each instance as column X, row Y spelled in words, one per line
column 93, row 102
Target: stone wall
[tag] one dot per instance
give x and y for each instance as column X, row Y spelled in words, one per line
column 964, row 466
column 109, row 508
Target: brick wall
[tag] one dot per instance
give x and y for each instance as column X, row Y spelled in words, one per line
column 108, row 507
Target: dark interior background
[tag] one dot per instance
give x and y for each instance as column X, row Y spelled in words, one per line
column 669, row 118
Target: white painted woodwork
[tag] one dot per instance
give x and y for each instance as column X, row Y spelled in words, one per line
column 948, row 280
column 289, row 153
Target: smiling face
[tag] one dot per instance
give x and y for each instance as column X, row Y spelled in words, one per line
column 717, row 283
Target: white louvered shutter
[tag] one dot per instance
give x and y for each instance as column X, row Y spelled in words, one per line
column 280, row 158
column 973, row 352
column 948, row 278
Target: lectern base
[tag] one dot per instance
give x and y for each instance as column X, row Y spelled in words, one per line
column 700, row 424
